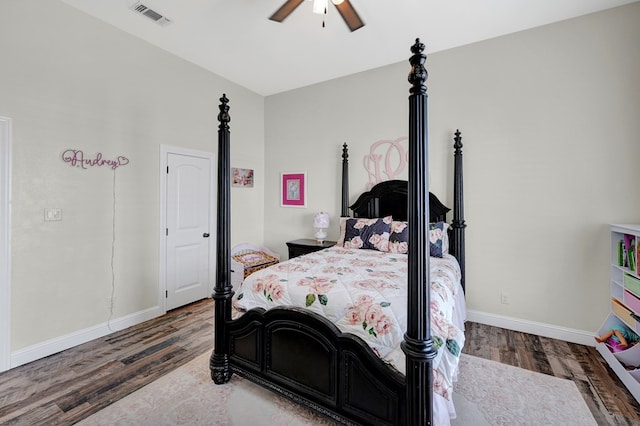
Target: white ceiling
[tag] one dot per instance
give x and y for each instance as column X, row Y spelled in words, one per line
column 236, row 40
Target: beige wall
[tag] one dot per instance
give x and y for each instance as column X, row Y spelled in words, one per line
column 70, row 81
column 550, row 122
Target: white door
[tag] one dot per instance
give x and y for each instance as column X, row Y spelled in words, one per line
column 188, row 229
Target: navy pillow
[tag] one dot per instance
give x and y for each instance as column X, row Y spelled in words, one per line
column 399, row 238
column 368, row 233
column 438, row 238
column 437, row 235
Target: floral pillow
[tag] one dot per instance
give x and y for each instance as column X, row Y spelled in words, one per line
column 399, row 238
column 343, row 227
column 368, row 233
column 438, row 238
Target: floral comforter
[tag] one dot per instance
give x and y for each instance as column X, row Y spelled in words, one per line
column 364, row 292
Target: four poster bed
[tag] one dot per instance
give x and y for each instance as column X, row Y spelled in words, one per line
column 365, row 317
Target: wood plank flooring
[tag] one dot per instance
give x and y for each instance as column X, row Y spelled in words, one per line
column 607, row 398
column 64, row 388
column 67, row 387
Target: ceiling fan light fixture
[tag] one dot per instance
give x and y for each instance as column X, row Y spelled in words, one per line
column 320, row 6
column 344, row 8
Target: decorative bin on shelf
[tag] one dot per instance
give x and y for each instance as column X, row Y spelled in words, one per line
column 632, row 283
column 631, row 301
column 625, row 314
column 629, row 356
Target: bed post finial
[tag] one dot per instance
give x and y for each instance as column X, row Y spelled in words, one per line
column 458, row 225
column 223, row 290
column 418, row 74
column 345, row 181
column 223, row 116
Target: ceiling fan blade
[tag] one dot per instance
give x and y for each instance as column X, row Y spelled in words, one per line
column 350, row 15
column 285, row 10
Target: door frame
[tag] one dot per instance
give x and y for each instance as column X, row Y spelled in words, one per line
column 165, row 150
column 5, row 243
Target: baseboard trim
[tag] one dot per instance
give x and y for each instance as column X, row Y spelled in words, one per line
column 50, row 347
column 540, row 329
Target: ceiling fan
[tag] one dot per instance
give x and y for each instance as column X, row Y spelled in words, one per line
column 344, row 7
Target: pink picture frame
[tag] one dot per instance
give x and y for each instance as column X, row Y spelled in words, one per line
column 293, row 189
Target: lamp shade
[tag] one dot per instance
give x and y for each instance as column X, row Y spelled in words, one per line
column 321, row 220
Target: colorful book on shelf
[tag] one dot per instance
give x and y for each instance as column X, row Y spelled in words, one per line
column 625, row 258
column 620, row 253
column 629, row 251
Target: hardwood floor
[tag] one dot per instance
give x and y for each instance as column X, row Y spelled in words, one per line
column 67, row 387
column 70, row 386
column 607, row 398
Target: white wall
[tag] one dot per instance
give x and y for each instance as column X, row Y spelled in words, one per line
column 550, row 122
column 70, row 81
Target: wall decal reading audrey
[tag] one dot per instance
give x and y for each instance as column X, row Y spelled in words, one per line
column 76, row 158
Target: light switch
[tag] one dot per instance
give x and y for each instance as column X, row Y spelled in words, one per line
column 52, row 214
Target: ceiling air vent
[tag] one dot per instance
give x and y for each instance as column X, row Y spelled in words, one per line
column 151, row 14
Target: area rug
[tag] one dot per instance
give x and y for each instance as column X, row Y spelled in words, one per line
column 487, row 393
column 491, row 393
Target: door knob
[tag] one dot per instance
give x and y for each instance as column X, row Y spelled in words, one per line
column 205, row 235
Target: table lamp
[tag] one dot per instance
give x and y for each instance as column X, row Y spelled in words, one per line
column 321, row 223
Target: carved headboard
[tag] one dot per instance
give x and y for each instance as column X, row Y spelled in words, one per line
column 389, row 198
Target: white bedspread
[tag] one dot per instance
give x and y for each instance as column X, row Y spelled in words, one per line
column 364, row 292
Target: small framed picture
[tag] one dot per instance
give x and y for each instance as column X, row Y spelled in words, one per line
column 242, row 178
column 293, row 189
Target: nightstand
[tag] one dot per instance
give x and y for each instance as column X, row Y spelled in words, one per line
column 306, row 245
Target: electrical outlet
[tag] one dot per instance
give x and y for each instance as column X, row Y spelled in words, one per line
column 504, row 298
column 52, row 214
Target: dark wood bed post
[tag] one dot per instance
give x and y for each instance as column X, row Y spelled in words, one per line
column 345, row 181
column 417, row 345
column 458, row 226
column 223, row 291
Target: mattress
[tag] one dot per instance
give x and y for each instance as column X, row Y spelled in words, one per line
column 364, row 292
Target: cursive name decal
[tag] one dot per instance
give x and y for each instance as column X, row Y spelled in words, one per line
column 76, row 158
column 395, row 160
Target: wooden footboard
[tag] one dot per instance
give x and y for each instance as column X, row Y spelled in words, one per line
column 304, row 357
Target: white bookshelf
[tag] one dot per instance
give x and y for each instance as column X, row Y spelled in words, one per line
column 625, row 304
